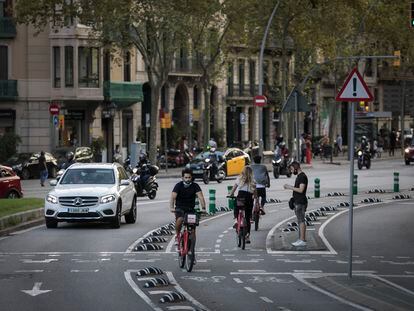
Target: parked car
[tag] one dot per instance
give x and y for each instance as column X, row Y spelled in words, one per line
column 175, row 158
column 10, row 186
column 81, row 154
column 26, row 165
column 234, row 161
column 409, row 153
column 91, row 192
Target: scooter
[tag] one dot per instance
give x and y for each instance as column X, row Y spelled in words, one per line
column 145, row 181
column 280, row 165
column 364, row 158
column 209, row 169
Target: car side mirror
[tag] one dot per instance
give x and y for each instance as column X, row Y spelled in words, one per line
column 125, row 182
column 53, row 182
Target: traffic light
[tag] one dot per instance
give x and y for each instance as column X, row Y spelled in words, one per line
column 412, row 14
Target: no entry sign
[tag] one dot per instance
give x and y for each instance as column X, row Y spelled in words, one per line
column 54, row 109
column 260, row 100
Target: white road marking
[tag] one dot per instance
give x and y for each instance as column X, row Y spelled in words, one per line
column 145, row 278
column 237, row 280
column 202, row 270
column 225, row 231
column 84, row 271
column 134, row 286
column 39, row 261
column 141, row 260
column 307, row 271
column 310, row 229
column 377, row 257
column 153, row 202
column 249, row 289
column 217, row 246
column 159, row 292
column 398, row 263
column 244, row 261
column 403, row 257
column 181, row 308
column 28, row 271
column 221, row 235
column 342, row 262
column 408, row 272
column 218, row 241
column 83, row 260
column 394, row 285
column 296, row 261
column 36, row 290
column 265, row 299
column 251, row 271
column 183, row 292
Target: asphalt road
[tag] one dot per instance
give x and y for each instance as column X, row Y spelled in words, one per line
column 90, row 266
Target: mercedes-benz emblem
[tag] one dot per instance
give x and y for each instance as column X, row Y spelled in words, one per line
column 78, row 201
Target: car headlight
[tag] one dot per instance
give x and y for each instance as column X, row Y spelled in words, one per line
column 279, row 160
column 273, row 161
column 188, row 165
column 207, row 160
column 108, row 198
column 407, row 150
column 52, row 199
column 359, row 152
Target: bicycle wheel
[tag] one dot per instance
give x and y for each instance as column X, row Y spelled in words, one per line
column 181, row 255
column 256, row 217
column 189, row 262
column 238, row 236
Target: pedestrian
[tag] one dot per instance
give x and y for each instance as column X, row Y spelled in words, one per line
column 262, row 179
column 42, row 168
column 339, row 143
column 302, row 148
column 245, row 197
column 308, row 142
column 393, row 139
column 300, row 200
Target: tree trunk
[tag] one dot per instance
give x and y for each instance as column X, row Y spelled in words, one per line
column 207, row 93
column 155, row 95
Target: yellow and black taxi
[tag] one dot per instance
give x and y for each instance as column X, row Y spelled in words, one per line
column 231, row 162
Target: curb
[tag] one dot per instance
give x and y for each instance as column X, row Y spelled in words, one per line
column 21, row 221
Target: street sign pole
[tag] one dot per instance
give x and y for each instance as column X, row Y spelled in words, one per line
column 297, row 127
column 351, row 193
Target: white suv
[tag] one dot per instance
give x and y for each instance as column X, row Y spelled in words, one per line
column 92, row 192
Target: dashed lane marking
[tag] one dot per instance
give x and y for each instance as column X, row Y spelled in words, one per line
column 28, row 271
column 238, row 281
column 85, row 271
column 39, row 261
column 398, row 263
column 181, row 308
column 249, row 289
column 265, row 299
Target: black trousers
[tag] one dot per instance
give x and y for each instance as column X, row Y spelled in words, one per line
column 248, row 206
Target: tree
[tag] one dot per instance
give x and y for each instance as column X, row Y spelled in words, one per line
column 155, row 28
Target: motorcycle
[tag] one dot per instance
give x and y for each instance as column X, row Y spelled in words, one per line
column 127, row 165
column 145, row 181
column 209, row 175
column 281, row 165
column 364, row 158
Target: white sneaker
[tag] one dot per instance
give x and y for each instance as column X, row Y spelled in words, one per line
column 296, row 242
column 299, row 243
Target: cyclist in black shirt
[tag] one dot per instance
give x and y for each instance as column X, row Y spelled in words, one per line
column 300, row 200
column 183, row 198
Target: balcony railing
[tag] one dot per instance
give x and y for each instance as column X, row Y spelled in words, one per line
column 185, row 65
column 242, row 90
column 8, row 89
column 126, row 92
column 7, row 28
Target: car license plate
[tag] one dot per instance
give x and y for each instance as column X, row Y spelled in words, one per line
column 198, row 172
column 78, row 210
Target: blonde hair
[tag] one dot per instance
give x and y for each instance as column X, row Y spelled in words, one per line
column 246, row 178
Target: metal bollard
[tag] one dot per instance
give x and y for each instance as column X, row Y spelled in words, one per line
column 317, row 188
column 396, row 182
column 230, row 200
column 355, row 185
column 212, row 201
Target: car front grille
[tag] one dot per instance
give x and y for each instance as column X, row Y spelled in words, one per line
column 90, row 215
column 78, row 201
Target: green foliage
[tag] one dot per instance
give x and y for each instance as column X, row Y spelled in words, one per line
column 13, row 206
column 8, row 145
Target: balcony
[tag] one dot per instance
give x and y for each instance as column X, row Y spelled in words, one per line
column 242, row 90
column 7, row 28
column 186, row 66
column 8, row 90
column 123, row 93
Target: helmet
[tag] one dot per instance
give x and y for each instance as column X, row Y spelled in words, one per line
column 70, row 155
column 282, row 144
column 212, row 149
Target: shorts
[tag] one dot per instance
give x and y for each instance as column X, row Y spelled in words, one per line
column 179, row 213
column 261, row 193
column 300, row 210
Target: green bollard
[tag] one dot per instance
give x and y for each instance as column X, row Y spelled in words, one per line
column 230, row 201
column 317, row 188
column 212, row 201
column 396, row 182
column 355, row 185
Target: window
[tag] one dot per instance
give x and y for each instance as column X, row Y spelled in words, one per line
column 6, row 8
column 4, row 63
column 195, row 97
column 68, row 66
column 88, row 67
column 56, row 66
column 230, row 79
column 241, row 76
column 252, row 76
column 107, row 66
column 127, row 66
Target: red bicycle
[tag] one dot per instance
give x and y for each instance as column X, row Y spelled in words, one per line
column 187, row 240
column 241, row 226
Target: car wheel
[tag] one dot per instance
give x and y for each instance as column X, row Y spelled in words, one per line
column 131, row 217
column 116, row 222
column 25, row 174
column 51, row 223
column 13, row 195
column 53, row 172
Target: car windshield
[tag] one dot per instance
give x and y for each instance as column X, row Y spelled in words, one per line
column 88, row 176
column 207, row 154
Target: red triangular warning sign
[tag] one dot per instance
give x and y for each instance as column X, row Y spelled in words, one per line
column 354, row 89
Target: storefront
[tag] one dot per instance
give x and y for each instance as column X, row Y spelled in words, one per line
column 73, row 132
column 7, row 121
